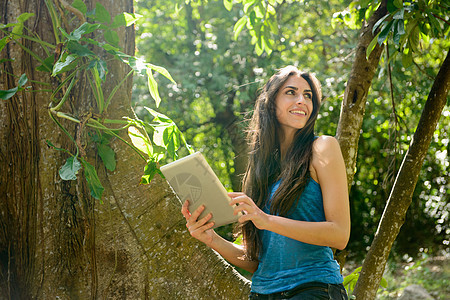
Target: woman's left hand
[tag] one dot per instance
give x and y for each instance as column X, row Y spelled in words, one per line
column 250, row 211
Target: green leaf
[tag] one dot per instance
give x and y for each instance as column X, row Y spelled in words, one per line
column 94, row 184
column 399, row 30
column 111, row 37
column 150, row 170
column 140, row 140
column 398, row 3
column 125, row 19
column 162, row 71
column 65, row 63
column 259, row 10
column 399, row 15
column 25, row 16
column 414, row 39
column 101, row 14
column 18, row 29
column 239, row 26
column 372, row 45
column 350, row 278
column 23, row 80
column 401, row 27
column 138, row 65
column 259, row 47
column 378, row 23
column 79, row 4
column 70, row 169
column 267, row 45
column 248, row 4
column 2, row 26
column 228, row 4
column 390, row 6
column 272, row 22
column 4, row 41
column 158, row 116
column 171, row 140
column 384, row 282
column 85, row 28
column 78, row 49
column 107, row 155
column 407, row 58
column 47, row 66
column 436, row 27
column 65, row 34
column 5, row 95
column 364, row 3
column 153, row 87
column 385, row 32
column 102, row 69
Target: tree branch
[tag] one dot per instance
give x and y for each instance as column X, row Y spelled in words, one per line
column 73, row 10
column 401, row 194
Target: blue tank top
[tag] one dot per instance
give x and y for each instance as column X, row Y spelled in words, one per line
column 285, row 263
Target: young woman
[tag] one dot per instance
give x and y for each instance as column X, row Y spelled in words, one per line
column 294, row 202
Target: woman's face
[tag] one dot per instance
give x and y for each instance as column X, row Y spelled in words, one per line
column 294, row 105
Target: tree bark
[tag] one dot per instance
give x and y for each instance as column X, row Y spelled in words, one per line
column 401, row 194
column 358, row 84
column 55, row 239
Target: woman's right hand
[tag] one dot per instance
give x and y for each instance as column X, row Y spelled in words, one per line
column 199, row 229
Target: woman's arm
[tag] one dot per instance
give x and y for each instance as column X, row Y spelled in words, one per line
column 328, row 165
column 201, row 230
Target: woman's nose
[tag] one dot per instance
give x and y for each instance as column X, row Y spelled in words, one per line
column 300, row 99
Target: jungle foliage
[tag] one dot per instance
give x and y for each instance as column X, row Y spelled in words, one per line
column 215, row 59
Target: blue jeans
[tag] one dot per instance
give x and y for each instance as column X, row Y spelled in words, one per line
column 307, row 291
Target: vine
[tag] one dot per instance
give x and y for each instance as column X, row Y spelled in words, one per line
column 79, row 54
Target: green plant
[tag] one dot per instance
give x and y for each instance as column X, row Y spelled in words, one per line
column 84, row 53
column 351, row 279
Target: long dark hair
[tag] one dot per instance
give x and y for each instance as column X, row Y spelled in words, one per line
column 265, row 165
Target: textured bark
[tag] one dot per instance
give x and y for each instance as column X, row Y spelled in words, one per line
column 401, row 194
column 55, row 239
column 358, row 84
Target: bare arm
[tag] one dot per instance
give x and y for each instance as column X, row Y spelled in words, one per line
column 201, row 230
column 329, row 170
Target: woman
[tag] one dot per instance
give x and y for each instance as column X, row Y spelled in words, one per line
column 294, row 202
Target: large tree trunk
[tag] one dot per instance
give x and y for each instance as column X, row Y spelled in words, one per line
column 401, row 193
column 58, row 241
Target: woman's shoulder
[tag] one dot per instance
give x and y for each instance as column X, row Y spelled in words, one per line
column 325, row 143
column 326, row 151
column 325, row 148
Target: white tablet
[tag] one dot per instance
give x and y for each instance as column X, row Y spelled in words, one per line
column 192, row 179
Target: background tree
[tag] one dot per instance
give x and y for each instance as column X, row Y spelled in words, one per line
column 314, row 37
column 391, row 120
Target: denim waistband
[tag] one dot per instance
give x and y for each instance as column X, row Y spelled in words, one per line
column 287, row 294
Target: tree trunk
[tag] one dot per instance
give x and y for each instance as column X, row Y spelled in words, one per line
column 58, row 241
column 402, row 191
column 358, row 84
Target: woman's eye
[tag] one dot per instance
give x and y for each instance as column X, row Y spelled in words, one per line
column 308, row 96
column 290, row 92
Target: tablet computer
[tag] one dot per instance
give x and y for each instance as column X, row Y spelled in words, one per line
column 192, row 178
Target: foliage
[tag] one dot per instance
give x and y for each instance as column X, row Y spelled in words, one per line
column 199, row 45
column 351, row 279
column 84, row 53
